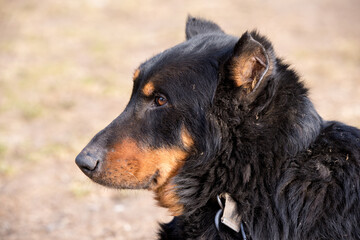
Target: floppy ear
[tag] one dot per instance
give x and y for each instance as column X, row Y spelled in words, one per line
column 195, row 26
column 251, row 63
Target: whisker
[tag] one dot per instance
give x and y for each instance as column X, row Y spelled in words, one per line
column 132, row 175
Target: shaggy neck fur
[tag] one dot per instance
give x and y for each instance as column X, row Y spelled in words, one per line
column 234, row 167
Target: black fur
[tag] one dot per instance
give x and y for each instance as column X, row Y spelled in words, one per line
column 293, row 175
column 255, row 135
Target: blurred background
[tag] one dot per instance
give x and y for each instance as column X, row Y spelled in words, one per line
column 66, row 71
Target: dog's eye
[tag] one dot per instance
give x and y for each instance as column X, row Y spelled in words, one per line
column 160, row 100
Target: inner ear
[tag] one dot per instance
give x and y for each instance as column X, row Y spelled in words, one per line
column 250, row 63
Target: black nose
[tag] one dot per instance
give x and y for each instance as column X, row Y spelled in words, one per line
column 88, row 160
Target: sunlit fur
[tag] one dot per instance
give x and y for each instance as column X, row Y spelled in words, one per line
column 235, row 119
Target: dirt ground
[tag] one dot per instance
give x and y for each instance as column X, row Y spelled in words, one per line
column 65, row 73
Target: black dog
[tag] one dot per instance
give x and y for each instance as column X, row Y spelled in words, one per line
column 220, row 122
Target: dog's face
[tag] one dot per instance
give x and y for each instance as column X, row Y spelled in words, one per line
column 149, row 142
column 167, row 120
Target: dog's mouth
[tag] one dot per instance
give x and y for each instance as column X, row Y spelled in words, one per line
column 126, row 165
column 126, row 180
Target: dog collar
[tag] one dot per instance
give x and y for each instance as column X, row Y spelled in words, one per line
column 228, row 214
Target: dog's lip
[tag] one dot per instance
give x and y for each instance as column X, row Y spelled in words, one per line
column 152, row 180
column 149, row 184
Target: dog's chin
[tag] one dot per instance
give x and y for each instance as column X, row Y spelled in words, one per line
column 148, row 183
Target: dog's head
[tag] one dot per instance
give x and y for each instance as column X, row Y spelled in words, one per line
column 169, row 118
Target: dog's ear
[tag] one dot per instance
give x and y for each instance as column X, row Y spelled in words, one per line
column 251, row 63
column 195, row 26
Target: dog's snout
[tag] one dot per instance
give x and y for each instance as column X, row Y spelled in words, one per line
column 88, row 160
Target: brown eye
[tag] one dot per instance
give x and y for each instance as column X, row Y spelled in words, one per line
column 160, row 101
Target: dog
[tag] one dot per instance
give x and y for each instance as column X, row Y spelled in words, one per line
column 224, row 134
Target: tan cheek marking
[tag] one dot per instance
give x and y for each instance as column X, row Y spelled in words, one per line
column 148, row 89
column 122, row 161
column 142, row 163
column 136, row 74
column 129, row 163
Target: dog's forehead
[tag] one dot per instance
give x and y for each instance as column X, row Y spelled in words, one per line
column 190, row 56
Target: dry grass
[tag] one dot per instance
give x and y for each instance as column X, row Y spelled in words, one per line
column 65, row 73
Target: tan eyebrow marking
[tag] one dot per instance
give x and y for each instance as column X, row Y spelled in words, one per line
column 136, row 74
column 148, row 89
column 186, row 138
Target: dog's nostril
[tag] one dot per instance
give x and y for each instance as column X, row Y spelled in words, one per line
column 86, row 163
